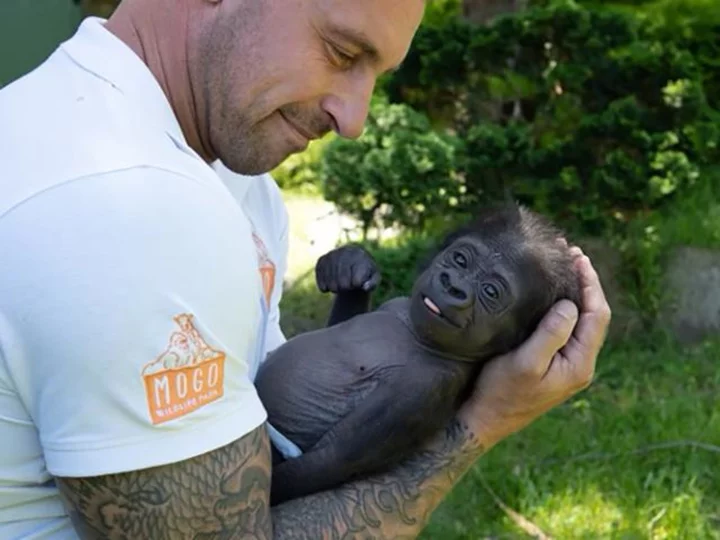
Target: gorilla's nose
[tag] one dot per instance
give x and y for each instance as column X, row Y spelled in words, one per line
column 458, row 293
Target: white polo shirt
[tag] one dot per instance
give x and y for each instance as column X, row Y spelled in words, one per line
column 133, row 282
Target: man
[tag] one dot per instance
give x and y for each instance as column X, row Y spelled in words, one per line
column 135, row 288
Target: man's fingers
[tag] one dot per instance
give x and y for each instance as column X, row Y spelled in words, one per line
column 575, row 252
column 553, row 332
column 587, row 340
column 593, row 297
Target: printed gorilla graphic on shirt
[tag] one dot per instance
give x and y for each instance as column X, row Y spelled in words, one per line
column 188, row 374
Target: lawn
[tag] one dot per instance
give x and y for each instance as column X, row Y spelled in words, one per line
column 635, row 456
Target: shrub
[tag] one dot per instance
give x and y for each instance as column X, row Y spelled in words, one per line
column 299, row 172
column 582, row 113
column 397, row 171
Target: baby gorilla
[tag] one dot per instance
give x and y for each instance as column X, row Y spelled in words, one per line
column 359, row 396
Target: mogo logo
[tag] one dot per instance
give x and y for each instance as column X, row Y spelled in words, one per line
column 186, row 376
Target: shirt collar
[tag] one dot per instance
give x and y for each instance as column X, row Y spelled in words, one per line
column 103, row 54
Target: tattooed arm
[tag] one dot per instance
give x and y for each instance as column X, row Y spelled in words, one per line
column 393, row 505
column 224, row 494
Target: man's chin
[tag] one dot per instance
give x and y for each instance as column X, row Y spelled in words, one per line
column 253, row 165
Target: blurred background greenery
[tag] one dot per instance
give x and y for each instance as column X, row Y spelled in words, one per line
column 604, row 116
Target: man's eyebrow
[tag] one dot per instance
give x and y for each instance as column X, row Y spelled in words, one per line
column 358, row 38
column 361, row 40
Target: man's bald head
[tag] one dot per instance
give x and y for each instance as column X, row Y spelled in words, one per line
column 252, row 82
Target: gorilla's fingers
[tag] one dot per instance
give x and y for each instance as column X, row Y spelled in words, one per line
column 344, row 272
column 373, row 282
column 362, row 272
column 321, row 274
column 332, row 282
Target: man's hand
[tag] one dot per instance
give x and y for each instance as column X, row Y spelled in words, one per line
column 346, row 268
column 551, row 366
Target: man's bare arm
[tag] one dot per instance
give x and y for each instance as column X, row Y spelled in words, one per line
column 224, row 494
column 220, row 494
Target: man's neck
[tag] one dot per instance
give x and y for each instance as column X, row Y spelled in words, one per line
column 165, row 54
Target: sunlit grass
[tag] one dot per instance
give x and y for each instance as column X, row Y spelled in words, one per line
column 615, row 462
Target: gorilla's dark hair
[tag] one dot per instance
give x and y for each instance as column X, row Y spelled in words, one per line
column 544, row 256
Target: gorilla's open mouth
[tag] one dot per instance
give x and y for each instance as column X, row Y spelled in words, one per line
column 433, row 308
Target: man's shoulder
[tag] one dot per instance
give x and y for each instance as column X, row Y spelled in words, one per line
column 59, row 125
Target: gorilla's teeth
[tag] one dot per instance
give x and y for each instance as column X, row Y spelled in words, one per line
column 430, row 304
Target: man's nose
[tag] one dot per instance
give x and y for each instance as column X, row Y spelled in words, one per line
column 349, row 106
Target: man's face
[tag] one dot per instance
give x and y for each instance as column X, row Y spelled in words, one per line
column 274, row 73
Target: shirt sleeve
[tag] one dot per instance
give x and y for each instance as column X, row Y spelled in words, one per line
column 131, row 304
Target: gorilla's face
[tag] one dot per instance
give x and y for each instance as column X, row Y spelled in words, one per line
column 465, row 302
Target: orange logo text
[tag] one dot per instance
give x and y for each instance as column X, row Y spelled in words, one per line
column 185, row 376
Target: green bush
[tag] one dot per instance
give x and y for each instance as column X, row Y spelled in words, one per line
column 299, row 172
column 695, row 26
column 583, row 113
column 397, row 171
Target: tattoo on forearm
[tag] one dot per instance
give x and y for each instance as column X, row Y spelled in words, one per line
column 397, row 504
column 219, row 495
column 224, row 495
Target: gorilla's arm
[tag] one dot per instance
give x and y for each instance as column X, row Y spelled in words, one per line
column 347, row 304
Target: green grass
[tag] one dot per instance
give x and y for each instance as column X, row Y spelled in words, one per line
column 596, row 468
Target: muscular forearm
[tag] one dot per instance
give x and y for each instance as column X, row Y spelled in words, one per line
column 393, row 505
column 224, row 494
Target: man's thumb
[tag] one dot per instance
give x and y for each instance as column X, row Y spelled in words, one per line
column 551, row 335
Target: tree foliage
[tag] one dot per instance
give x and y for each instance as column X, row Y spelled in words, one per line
column 590, row 115
column 397, row 170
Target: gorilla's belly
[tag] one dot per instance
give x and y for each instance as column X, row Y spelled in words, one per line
column 314, row 380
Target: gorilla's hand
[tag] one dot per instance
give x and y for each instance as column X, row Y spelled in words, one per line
column 346, row 268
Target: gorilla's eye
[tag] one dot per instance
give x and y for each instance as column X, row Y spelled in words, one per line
column 491, row 291
column 460, row 259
